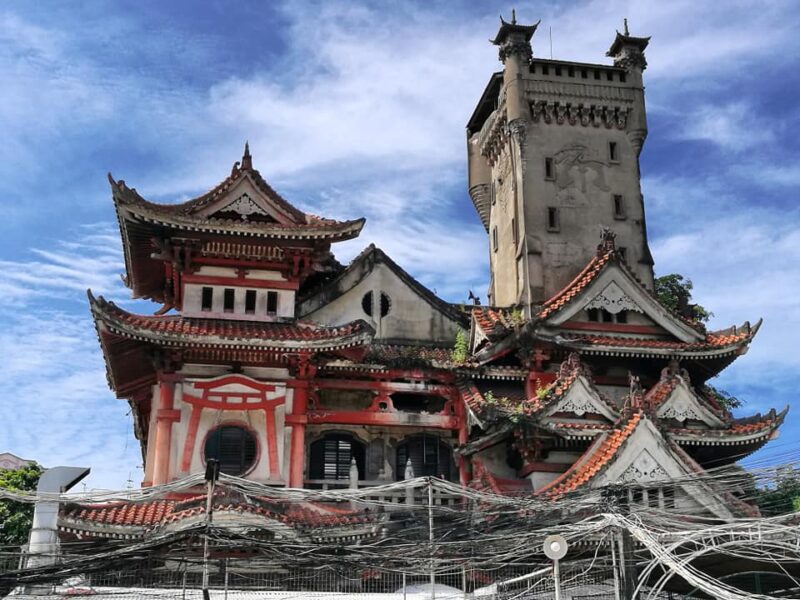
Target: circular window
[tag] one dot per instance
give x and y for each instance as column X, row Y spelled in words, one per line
column 386, row 304
column 234, row 447
column 367, row 304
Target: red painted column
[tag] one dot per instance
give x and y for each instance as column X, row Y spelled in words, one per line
column 297, row 457
column 464, row 464
column 164, row 420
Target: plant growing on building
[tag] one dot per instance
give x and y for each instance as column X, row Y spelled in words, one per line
column 675, row 292
column 460, row 348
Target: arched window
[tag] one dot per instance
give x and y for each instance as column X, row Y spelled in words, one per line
column 430, row 457
column 234, row 447
column 330, row 457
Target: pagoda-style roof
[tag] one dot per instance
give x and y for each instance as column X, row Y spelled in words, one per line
column 606, row 283
column 243, row 211
column 625, row 39
column 177, row 330
column 125, row 338
column 513, row 28
column 120, row 519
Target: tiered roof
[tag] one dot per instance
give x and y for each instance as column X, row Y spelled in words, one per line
column 242, row 211
column 496, row 332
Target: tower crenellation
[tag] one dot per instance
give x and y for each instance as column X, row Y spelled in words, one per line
column 553, row 155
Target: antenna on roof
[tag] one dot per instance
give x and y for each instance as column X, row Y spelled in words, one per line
column 625, row 22
column 551, row 42
column 513, row 16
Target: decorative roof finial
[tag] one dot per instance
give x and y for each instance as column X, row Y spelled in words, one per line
column 607, row 241
column 513, row 16
column 625, row 22
column 247, row 160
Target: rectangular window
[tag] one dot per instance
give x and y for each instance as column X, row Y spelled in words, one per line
column 228, row 299
column 610, row 75
column 619, row 206
column 623, row 252
column 272, row 303
column 613, row 155
column 208, row 299
column 584, row 74
column 494, row 238
column 552, row 219
column 558, row 71
column 250, row 302
column 596, row 74
column 545, row 70
column 493, row 193
column 549, row 171
column 622, row 77
column 514, row 230
column 571, row 72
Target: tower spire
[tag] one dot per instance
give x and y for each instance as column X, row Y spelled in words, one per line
column 247, row 160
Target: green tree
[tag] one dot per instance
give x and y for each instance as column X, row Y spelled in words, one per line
column 16, row 518
column 675, row 292
column 460, row 348
column 783, row 497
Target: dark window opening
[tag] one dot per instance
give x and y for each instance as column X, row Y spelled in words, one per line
column 366, row 303
column 622, row 316
column 208, row 299
column 596, row 74
column 429, row 456
column 607, row 316
column 272, row 304
column 571, row 72
column 552, row 219
column 638, row 497
column 418, row 403
column 593, row 314
column 386, row 304
column 250, row 302
column 234, row 447
column 228, row 299
column 669, row 497
column 619, row 206
column 494, row 238
column 612, row 151
column 610, row 75
column 549, row 172
column 545, row 70
column 514, row 230
column 558, row 71
column 652, row 497
column 623, row 252
column 622, row 77
column 584, row 74
column 331, row 457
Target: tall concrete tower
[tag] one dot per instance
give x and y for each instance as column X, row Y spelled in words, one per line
column 553, row 152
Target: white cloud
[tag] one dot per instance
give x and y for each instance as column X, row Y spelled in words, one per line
column 736, row 126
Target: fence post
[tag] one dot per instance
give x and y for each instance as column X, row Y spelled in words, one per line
column 409, row 474
column 430, row 536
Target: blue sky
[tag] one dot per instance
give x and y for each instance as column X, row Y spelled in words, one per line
column 358, row 109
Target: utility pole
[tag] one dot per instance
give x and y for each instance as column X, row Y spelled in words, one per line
column 212, row 474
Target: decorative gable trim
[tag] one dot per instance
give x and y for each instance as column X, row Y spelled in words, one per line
column 582, row 398
column 647, row 458
column 618, row 289
column 614, row 300
column 683, row 404
column 245, row 198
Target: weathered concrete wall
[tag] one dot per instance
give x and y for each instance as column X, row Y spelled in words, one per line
column 410, row 317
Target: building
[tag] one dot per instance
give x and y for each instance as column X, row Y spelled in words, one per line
column 295, row 371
